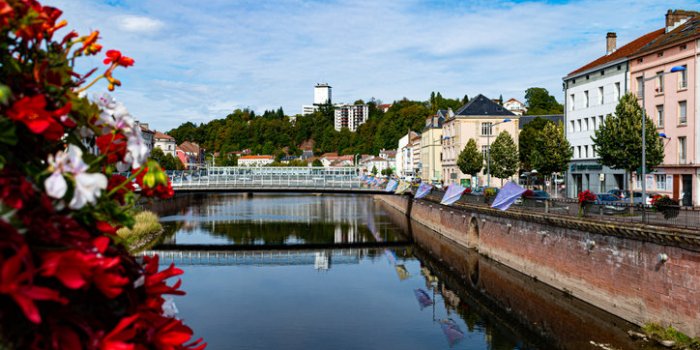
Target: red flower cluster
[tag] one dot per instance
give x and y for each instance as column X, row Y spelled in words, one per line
column 64, row 282
column 586, row 196
column 113, row 146
column 31, row 111
column 121, row 186
column 154, row 182
column 528, row 193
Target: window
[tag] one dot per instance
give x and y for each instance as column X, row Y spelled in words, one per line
column 601, row 98
column 638, row 183
column 683, row 78
column 578, row 151
column 617, row 91
column 585, row 98
column 659, row 82
column 572, row 102
column 661, row 182
column 682, row 150
column 585, row 121
column 571, row 126
column 486, row 129
column 682, row 112
column 593, row 121
column 585, row 149
column 640, row 87
column 485, row 152
column 660, row 116
column 579, row 125
column 601, row 119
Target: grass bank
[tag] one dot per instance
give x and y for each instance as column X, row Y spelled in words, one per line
column 147, row 229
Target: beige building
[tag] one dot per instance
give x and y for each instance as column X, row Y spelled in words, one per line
column 431, row 148
column 476, row 120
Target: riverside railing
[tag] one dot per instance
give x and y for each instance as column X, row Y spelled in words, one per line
column 676, row 216
column 267, row 177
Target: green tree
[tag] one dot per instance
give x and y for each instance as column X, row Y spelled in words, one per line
column 387, row 171
column 529, row 140
column 504, row 156
column 540, row 102
column 470, row 160
column 317, row 162
column 374, row 170
column 618, row 141
column 554, row 154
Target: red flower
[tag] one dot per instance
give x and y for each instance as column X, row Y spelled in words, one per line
column 75, row 269
column 119, row 338
column 6, row 12
column 126, row 186
column 106, row 227
column 90, row 45
column 155, row 281
column 15, row 190
column 18, row 285
column 40, row 22
column 586, row 196
column 32, row 112
column 115, row 57
column 113, row 146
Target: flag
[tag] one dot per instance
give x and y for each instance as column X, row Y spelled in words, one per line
column 453, row 193
column 391, row 186
column 423, row 190
column 507, row 196
column 403, row 187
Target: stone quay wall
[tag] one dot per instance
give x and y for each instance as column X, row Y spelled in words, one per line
column 639, row 273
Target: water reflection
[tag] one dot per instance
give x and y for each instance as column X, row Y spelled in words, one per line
column 274, row 219
column 428, row 295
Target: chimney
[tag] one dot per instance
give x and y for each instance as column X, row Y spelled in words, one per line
column 674, row 18
column 610, row 43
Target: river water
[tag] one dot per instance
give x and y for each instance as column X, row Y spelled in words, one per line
column 346, row 272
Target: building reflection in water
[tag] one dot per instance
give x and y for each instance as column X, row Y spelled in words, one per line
column 278, row 219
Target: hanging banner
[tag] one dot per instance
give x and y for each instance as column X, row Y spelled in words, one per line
column 453, row 193
column 507, row 196
column 403, row 187
column 423, row 190
column 391, row 186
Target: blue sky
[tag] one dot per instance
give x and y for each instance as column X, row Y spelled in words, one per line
column 200, row 60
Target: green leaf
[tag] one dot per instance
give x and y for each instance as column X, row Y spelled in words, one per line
column 7, row 132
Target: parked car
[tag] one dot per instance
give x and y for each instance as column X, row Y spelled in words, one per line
column 607, row 198
column 622, row 194
column 538, row 194
column 611, row 203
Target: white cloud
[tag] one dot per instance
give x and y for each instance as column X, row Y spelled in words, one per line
column 139, row 24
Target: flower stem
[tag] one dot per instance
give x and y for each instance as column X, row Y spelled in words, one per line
column 90, row 85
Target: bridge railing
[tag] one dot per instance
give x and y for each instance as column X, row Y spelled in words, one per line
column 267, row 177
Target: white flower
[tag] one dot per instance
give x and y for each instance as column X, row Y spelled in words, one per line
column 115, row 116
column 88, row 187
column 56, row 185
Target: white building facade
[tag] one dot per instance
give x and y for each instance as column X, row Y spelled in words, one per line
column 255, row 161
column 591, row 93
column 166, row 143
column 322, row 95
column 350, row 116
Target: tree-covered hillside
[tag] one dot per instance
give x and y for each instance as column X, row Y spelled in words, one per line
column 272, row 131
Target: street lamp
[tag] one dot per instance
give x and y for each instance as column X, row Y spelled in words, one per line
column 644, row 131
column 488, row 150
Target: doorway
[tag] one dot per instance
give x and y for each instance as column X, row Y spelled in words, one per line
column 687, row 198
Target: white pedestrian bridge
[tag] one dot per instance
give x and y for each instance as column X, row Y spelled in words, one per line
column 271, row 179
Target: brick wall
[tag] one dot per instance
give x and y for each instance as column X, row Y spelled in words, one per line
column 620, row 275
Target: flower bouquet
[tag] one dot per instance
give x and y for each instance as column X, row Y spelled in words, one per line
column 666, row 205
column 585, row 199
column 70, row 169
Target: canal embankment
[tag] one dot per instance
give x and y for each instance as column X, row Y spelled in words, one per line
column 639, row 273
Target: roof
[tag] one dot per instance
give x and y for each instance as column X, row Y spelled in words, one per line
column 145, row 129
column 255, row 157
column 189, row 147
column 685, row 32
column 526, row 119
column 160, row 135
column 480, row 106
column 625, row 51
column 329, row 154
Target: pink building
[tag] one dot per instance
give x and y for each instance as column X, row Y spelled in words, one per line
column 671, row 101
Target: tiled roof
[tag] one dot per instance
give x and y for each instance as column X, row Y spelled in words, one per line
column 189, row 147
column 625, row 51
column 480, row 105
column 255, row 157
column 160, row 135
column 685, row 32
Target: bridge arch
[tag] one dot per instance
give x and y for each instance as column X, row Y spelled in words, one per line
column 473, row 234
